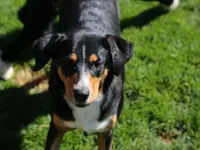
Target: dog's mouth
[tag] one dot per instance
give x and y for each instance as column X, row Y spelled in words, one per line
column 81, row 105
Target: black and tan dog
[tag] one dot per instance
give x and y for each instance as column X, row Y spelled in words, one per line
column 87, row 70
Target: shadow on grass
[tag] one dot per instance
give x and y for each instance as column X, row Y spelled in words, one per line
column 10, row 44
column 143, row 18
column 17, row 110
column 15, row 44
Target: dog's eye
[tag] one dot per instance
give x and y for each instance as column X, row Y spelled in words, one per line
column 97, row 64
column 73, row 65
column 75, row 68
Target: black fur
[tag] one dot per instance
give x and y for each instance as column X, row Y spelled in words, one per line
column 37, row 17
column 120, row 50
column 166, row 2
column 45, row 49
column 95, row 24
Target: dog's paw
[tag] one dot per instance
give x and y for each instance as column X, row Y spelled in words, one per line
column 6, row 69
column 172, row 6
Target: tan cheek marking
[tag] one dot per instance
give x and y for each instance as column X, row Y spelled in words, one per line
column 94, row 83
column 69, row 89
column 112, row 122
column 93, row 58
column 59, row 123
column 102, row 79
column 97, row 85
column 60, row 74
column 73, row 57
column 68, row 82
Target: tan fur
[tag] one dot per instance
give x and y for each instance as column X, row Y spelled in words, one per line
column 69, row 82
column 97, row 85
column 73, row 57
column 60, row 123
column 112, row 123
column 93, row 58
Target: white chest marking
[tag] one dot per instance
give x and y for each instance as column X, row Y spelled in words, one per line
column 86, row 118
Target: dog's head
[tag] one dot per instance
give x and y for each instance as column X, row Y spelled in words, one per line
column 83, row 62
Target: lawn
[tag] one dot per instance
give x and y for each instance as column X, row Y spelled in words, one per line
column 162, row 88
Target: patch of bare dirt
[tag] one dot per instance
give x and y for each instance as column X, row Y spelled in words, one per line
column 35, row 82
column 168, row 137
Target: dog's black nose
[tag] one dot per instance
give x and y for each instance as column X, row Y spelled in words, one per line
column 80, row 96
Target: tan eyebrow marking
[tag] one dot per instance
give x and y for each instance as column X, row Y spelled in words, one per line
column 93, row 58
column 73, row 57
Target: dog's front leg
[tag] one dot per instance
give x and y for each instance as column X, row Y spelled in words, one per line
column 54, row 138
column 105, row 141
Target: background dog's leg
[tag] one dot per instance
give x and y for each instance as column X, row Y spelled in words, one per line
column 54, row 138
column 105, row 141
column 170, row 4
column 37, row 17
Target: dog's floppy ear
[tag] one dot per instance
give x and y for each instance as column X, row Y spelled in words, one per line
column 44, row 49
column 121, row 51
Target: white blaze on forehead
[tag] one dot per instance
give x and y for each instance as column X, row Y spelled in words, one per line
column 84, row 53
column 83, row 81
column 83, row 71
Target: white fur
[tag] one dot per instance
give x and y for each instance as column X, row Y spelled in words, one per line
column 86, row 118
column 6, row 69
column 173, row 6
column 83, row 83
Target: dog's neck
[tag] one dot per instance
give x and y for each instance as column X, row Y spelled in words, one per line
column 87, row 118
column 93, row 15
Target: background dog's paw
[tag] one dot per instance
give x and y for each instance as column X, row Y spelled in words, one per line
column 170, row 5
column 6, row 69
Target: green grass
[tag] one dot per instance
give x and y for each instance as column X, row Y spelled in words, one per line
column 162, row 87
